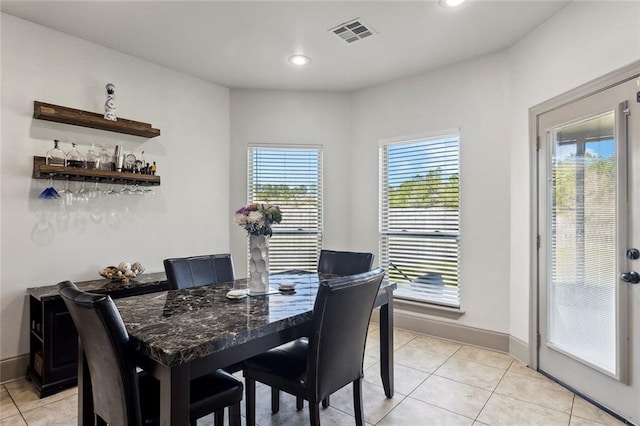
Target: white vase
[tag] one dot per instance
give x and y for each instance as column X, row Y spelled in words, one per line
column 258, row 264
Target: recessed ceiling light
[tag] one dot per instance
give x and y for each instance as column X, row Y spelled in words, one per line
column 449, row 4
column 299, row 60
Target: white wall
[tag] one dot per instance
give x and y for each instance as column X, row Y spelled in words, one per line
column 41, row 243
column 582, row 42
column 262, row 116
column 472, row 96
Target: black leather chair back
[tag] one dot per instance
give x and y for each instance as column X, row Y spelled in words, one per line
column 344, row 262
column 196, row 271
column 105, row 341
column 341, row 317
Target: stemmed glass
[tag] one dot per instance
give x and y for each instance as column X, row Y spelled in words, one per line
column 126, row 190
column 65, row 193
column 82, row 195
column 110, row 190
column 49, row 192
column 137, row 190
column 95, row 192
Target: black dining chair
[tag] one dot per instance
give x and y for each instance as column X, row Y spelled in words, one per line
column 330, row 358
column 121, row 395
column 196, row 271
column 344, row 262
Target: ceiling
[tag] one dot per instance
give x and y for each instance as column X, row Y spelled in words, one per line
column 243, row 44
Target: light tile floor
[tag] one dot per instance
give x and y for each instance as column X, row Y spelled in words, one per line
column 437, row 382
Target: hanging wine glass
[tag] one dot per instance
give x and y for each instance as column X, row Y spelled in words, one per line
column 95, row 192
column 65, row 193
column 74, row 159
column 137, row 190
column 126, row 190
column 49, row 192
column 82, row 194
column 55, row 156
column 110, row 190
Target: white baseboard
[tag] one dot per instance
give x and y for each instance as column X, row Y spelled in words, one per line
column 519, row 349
column 422, row 324
column 13, row 368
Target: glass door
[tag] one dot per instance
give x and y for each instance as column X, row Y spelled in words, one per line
column 585, row 195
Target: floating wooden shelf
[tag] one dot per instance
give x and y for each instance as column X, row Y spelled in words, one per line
column 43, row 171
column 76, row 117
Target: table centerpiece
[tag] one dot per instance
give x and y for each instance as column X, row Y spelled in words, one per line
column 257, row 219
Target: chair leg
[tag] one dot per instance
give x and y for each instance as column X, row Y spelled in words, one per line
column 250, row 387
column 218, row 417
column 275, row 400
column 357, row 401
column 314, row 414
column 234, row 415
column 326, row 401
column 299, row 403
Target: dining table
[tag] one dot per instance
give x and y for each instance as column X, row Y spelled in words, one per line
column 179, row 335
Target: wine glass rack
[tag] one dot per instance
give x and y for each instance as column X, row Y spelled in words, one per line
column 43, row 171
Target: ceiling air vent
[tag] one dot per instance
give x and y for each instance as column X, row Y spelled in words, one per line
column 353, row 30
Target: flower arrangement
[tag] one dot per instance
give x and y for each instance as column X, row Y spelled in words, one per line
column 257, row 218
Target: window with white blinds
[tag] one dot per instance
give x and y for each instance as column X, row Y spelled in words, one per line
column 419, row 218
column 291, row 177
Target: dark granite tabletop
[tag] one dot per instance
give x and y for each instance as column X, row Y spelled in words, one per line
column 102, row 285
column 177, row 326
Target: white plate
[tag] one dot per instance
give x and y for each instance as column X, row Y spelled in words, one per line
column 287, row 286
column 236, row 294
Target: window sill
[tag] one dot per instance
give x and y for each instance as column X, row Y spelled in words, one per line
column 425, row 308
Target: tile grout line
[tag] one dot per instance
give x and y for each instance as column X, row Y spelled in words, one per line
column 15, row 404
column 492, row 393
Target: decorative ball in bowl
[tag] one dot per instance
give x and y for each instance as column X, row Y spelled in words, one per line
column 123, row 272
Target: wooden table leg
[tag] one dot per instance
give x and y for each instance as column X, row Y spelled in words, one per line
column 86, row 416
column 386, row 346
column 174, row 395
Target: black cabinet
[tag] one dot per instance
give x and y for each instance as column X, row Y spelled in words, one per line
column 54, row 347
column 53, row 356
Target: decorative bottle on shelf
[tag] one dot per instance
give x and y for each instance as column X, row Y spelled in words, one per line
column 55, row 156
column 110, row 104
column 106, row 160
column 74, row 159
column 153, row 168
column 92, row 160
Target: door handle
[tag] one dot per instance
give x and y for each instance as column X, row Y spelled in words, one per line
column 631, row 277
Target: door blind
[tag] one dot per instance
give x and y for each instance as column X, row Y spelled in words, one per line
column 289, row 176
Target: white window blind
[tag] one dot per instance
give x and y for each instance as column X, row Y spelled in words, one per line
column 291, row 177
column 419, row 218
